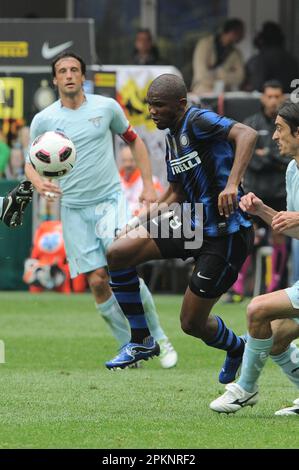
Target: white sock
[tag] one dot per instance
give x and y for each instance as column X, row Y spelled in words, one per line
column 116, row 320
column 150, row 312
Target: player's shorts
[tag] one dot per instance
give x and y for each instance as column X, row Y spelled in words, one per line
column 217, row 262
column 88, row 232
column 293, row 294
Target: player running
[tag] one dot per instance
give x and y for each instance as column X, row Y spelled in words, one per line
column 93, row 208
column 275, row 314
column 206, row 157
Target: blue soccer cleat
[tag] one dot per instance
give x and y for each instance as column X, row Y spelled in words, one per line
column 133, row 352
column 231, row 367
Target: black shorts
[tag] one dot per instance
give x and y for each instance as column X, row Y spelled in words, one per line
column 217, row 262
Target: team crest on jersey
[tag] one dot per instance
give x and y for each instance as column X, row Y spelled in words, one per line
column 96, row 121
column 184, row 140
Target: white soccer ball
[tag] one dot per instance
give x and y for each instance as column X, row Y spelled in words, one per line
column 52, row 154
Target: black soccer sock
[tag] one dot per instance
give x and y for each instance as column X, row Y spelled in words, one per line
column 125, row 286
column 226, row 339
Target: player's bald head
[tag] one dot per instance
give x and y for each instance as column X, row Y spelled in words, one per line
column 168, row 86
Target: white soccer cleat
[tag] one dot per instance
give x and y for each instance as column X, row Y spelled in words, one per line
column 291, row 411
column 234, row 399
column 168, row 356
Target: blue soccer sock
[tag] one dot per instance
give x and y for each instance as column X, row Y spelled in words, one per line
column 150, row 312
column 125, row 286
column 226, row 339
column 288, row 361
column 254, row 358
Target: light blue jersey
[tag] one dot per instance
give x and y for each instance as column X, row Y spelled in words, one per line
column 91, row 127
column 292, row 186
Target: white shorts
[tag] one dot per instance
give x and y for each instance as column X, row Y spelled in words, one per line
column 88, row 232
column 293, row 294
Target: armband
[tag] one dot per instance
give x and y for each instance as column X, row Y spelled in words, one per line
column 130, row 135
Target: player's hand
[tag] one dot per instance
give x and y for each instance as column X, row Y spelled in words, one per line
column 285, row 220
column 148, row 195
column 48, row 190
column 251, row 203
column 228, row 200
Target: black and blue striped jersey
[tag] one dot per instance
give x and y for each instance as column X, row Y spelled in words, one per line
column 200, row 157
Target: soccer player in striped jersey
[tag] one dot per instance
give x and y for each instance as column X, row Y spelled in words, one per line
column 207, row 155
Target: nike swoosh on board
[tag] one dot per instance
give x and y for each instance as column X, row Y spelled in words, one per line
column 50, row 52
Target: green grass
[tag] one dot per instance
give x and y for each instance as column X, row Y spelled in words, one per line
column 56, row 393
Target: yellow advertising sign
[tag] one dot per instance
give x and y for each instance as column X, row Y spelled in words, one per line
column 132, row 96
column 105, row 79
column 14, row 49
column 11, row 98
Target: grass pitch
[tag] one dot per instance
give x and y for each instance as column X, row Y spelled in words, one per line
column 56, row 393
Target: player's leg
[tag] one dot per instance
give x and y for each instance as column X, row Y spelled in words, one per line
column 86, row 255
column 111, row 219
column 216, row 270
column 260, row 313
column 13, row 205
column 122, row 256
column 168, row 356
column 285, row 354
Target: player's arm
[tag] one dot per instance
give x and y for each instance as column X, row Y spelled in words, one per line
column 244, row 139
column 173, row 194
column 140, row 155
column 43, row 186
column 285, row 222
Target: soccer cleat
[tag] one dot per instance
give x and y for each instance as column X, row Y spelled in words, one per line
column 291, row 411
column 134, row 352
column 15, row 203
column 231, row 367
column 234, row 399
column 168, row 356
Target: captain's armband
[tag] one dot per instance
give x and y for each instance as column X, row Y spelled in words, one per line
column 130, row 135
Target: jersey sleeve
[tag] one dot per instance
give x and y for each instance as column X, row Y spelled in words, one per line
column 209, row 125
column 119, row 123
column 289, row 173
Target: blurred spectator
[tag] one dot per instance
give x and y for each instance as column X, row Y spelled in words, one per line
column 4, row 154
column 217, row 63
column 265, row 176
column 47, row 268
column 131, row 180
column 145, row 52
column 273, row 61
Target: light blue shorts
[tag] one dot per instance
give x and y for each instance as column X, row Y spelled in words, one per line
column 88, row 232
column 293, row 294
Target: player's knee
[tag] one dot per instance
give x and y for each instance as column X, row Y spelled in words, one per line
column 187, row 326
column 257, row 311
column 98, row 280
column 115, row 257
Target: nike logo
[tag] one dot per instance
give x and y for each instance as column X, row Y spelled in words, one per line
column 203, row 277
column 243, row 402
column 294, row 370
column 50, row 52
